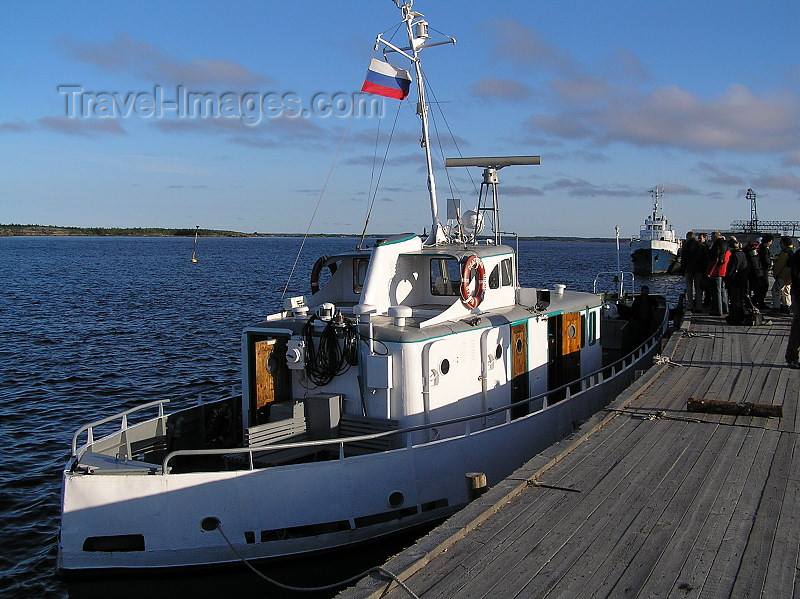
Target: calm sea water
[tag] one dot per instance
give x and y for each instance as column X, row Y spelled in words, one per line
column 92, row 326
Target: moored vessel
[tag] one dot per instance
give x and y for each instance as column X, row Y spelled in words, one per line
column 655, row 250
column 364, row 403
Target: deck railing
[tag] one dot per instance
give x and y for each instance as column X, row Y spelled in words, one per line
column 568, row 390
column 582, row 385
column 123, row 418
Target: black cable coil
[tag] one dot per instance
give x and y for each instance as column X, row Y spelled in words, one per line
column 329, row 359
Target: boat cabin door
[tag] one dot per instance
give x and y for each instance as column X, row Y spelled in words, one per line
column 564, row 335
column 270, row 380
column 520, row 382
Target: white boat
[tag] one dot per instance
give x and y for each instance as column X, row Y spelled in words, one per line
column 655, row 250
column 362, row 406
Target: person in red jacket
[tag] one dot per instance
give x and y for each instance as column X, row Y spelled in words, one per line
column 718, row 257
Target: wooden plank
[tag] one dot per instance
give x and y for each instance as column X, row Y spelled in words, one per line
column 729, row 551
column 751, row 576
column 700, row 559
column 534, row 523
column 782, row 572
column 769, row 395
column 602, row 514
column 667, row 570
column 632, row 556
column 792, row 394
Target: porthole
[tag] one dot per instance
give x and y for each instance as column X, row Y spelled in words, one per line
column 444, row 367
column 396, row 499
column 519, row 346
column 572, row 331
column 498, row 353
column 272, row 364
column 209, row 523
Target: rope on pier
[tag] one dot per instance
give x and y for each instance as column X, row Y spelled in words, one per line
column 658, row 359
column 380, row 570
column 660, row 415
column 690, row 334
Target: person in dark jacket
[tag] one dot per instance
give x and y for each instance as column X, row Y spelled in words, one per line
column 755, row 272
column 782, row 287
column 764, row 265
column 690, row 257
column 642, row 312
column 736, row 279
column 701, row 265
column 793, row 345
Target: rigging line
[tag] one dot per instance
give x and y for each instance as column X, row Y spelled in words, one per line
column 438, row 139
column 380, row 174
column 441, row 154
column 450, row 131
column 374, row 160
column 319, row 200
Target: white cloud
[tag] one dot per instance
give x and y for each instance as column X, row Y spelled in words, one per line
column 154, row 63
column 497, row 87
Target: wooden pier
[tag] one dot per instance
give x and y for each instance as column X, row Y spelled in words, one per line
column 647, row 499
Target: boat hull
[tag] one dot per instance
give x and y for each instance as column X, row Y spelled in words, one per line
column 297, row 510
column 654, row 257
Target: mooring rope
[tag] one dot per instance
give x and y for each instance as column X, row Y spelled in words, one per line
column 658, row 359
column 690, row 334
column 329, row 587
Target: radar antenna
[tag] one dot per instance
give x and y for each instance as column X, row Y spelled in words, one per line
column 492, row 164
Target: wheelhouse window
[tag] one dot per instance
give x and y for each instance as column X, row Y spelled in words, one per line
column 445, row 276
column 507, row 272
column 502, row 272
column 494, row 278
column 359, row 274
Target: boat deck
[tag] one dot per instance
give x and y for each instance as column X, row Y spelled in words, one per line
column 646, row 499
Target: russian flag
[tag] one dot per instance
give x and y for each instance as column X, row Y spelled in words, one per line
column 385, row 80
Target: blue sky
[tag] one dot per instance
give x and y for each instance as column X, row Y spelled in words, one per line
column 701, row 97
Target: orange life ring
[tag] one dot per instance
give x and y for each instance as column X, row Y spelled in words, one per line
column 472, row 298
column 316, row 270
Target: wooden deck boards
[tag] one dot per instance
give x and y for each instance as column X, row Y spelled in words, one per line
column 652, row 501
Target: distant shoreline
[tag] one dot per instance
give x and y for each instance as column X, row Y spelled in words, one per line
column 56, row 231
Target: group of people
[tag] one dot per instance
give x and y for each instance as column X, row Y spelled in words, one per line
column 726, row 278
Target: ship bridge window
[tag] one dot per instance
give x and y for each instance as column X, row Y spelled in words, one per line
column 359, row 274
column 494, row 278
column 502, row 270
column 445, row 276
column 505, row 269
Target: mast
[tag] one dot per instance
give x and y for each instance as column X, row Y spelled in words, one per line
column 655, row 191
column 417, row 30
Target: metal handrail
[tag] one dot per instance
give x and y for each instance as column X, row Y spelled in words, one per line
column 124, row 416
column 614, row 369
column 621, row 280
column 88, row 427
